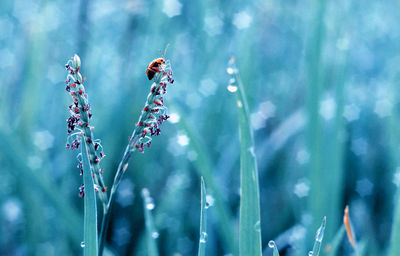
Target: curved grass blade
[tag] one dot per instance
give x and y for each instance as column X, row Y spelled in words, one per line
column 318, row 239
column 151, row 232
column 203, row 221
column 249, row 219
column 272, row 244
column 90, row 219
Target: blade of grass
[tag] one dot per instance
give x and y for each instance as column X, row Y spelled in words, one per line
column 334, row 245
column 318, row 239
column 272, row 244
column 203, row 220
column 151, row 232
column 225, row 222
column 90, row 216
column 249, row 219
column 349, row 228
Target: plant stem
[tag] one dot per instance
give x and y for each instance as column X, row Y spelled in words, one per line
column 123, row 165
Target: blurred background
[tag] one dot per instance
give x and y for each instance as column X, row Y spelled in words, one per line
column 321, row 78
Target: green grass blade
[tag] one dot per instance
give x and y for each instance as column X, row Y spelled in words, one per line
column 334, row 245
column 249, row 219
column 395, row 237
column 203, row 220
column 151, row 232
column 90, row 219
column 318, row 239
column 272, row 244
column 225, row 222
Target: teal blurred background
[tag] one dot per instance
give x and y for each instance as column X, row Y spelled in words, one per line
column 321, row 78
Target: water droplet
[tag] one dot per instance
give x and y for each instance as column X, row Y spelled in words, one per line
column 271, row 244
column 310, row 253
column 83, row 244
column 232, row 88
column 148, row 199
column 232, row 80
column 229, row 71
column 257, row 226
column 203, row 237
column 150, row 206
column 155, row 235
column 174, row 118
column 209, row 201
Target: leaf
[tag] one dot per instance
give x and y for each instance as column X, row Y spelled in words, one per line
column 272, row 244
column 151, row 232
column 318, row 239
column 225, row 221
column 90, row 217
column 249, row 219
column 203, row 220
column 332, row 248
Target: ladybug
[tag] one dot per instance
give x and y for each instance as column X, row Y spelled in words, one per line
column 153, row 68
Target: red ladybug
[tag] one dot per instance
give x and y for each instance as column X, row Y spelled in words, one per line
column 153, row 68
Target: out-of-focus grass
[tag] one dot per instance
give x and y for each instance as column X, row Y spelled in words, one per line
column 204, row 168
column 151, row 232
column 349, row 74
column 334, row 245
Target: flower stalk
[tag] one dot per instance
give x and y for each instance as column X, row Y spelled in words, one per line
column 79, row 120
column 152, row 116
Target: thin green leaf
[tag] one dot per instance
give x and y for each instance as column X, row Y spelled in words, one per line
column 151, row 232
column 318, row 239
column 334, row 245
column 225, row 221
column 90, row 218
column 272, row 244
column 203, row 220
column 249, row 226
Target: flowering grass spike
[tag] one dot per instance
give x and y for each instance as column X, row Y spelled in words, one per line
column 154, row 113
column 79, row 127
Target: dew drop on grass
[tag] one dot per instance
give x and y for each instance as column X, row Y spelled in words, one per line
column 203, row 237
column 271, row 244
column 232, row 80
column 310, row 253
column 83, row 244
column 150, row 206
column 148, row 199
column 209, row 201
column 232, row 88
column 229, row 71
column 155, row 235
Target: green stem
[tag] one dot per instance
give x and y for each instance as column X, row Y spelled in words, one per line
column 123, row 165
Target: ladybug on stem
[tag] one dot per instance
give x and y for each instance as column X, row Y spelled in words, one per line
column 152, row 69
